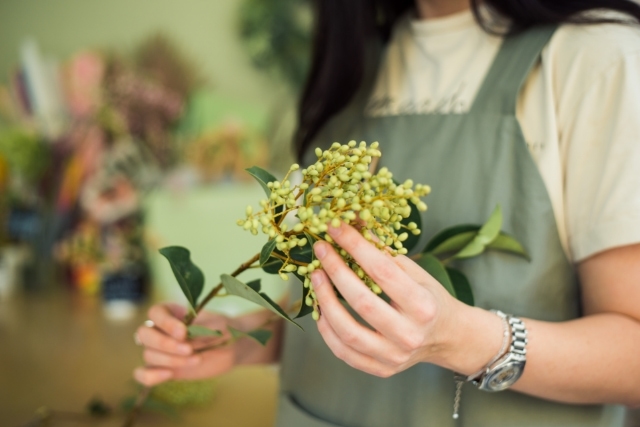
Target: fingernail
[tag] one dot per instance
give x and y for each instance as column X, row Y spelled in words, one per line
column 184, row 349
column 320, row 250
column 335, row 231
column 317, row 279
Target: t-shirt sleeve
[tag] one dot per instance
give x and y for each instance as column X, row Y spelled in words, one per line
column 600, row 131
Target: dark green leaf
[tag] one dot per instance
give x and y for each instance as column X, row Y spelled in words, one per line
column 304, row 308
column 310, row 239
column 447, row 233
column 415, row 216
column 461, row 285
column 272, row 266
column 195, row 331
column 265, row 253
column 263, row 177
column 236, row 287
column 507, row 243
column 454, row 243
column 188, row 275
column 303, row 253
column 256, row 285
column 262, row 336
column 434, row 267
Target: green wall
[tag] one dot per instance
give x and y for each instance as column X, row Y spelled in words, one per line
column 204, row 29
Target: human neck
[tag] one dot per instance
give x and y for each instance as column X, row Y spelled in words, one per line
column 428, row 9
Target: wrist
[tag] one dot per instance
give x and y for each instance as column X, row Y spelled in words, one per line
column 475, row 339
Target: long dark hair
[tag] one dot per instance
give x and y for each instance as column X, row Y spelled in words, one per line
column 345, row 28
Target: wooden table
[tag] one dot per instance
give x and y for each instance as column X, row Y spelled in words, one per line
column 58, row 350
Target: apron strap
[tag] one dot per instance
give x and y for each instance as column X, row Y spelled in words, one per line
column 513, row 63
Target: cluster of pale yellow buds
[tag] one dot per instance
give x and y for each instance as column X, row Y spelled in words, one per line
column 338, row 187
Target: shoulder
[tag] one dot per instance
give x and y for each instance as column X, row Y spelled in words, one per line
column 590, row 58
column 588, row 51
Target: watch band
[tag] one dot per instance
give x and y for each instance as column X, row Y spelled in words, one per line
column 519, row 338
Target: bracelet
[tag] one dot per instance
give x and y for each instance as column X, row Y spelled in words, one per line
column 461, row 379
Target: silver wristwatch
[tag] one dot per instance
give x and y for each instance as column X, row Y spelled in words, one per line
column 506, row 370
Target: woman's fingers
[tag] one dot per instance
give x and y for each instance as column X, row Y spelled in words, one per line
column 159, row 359
column 163, row 367
column 156, row 340
column 375, row 311
column 167, row 317
column 384, row 270
column 351, row 357
column 152, row 376
column 345, row 327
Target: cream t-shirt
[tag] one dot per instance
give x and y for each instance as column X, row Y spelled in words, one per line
column 579, row 110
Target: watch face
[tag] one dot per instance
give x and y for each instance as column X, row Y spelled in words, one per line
column 504, row 376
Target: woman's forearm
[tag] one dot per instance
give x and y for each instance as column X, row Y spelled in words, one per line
column 593, row 359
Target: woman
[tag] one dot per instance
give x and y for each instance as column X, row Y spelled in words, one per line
column 544, row 122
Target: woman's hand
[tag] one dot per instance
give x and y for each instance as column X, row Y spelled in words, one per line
column 420, row 324
column 168, row 355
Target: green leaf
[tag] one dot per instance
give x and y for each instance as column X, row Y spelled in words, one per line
column 272, row 266
column 263, row 177
column 188, row 275
column 447, row 233
column 266, row 251
column 304, row 308
column 304, row 253
column 415, row 216
column 454, row 243
column 195, row 331
column 485, row 236
column 461, row 285
column 507, row 243
column 434, row 267
column 491, row 228
column 236, row 287
column 256, row 285
column 262, row 336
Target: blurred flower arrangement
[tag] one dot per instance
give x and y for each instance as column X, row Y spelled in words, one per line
column 81, row 144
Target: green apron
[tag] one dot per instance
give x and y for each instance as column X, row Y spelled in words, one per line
column 473, row 162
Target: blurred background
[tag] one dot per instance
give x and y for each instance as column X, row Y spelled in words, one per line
column 126, row 126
